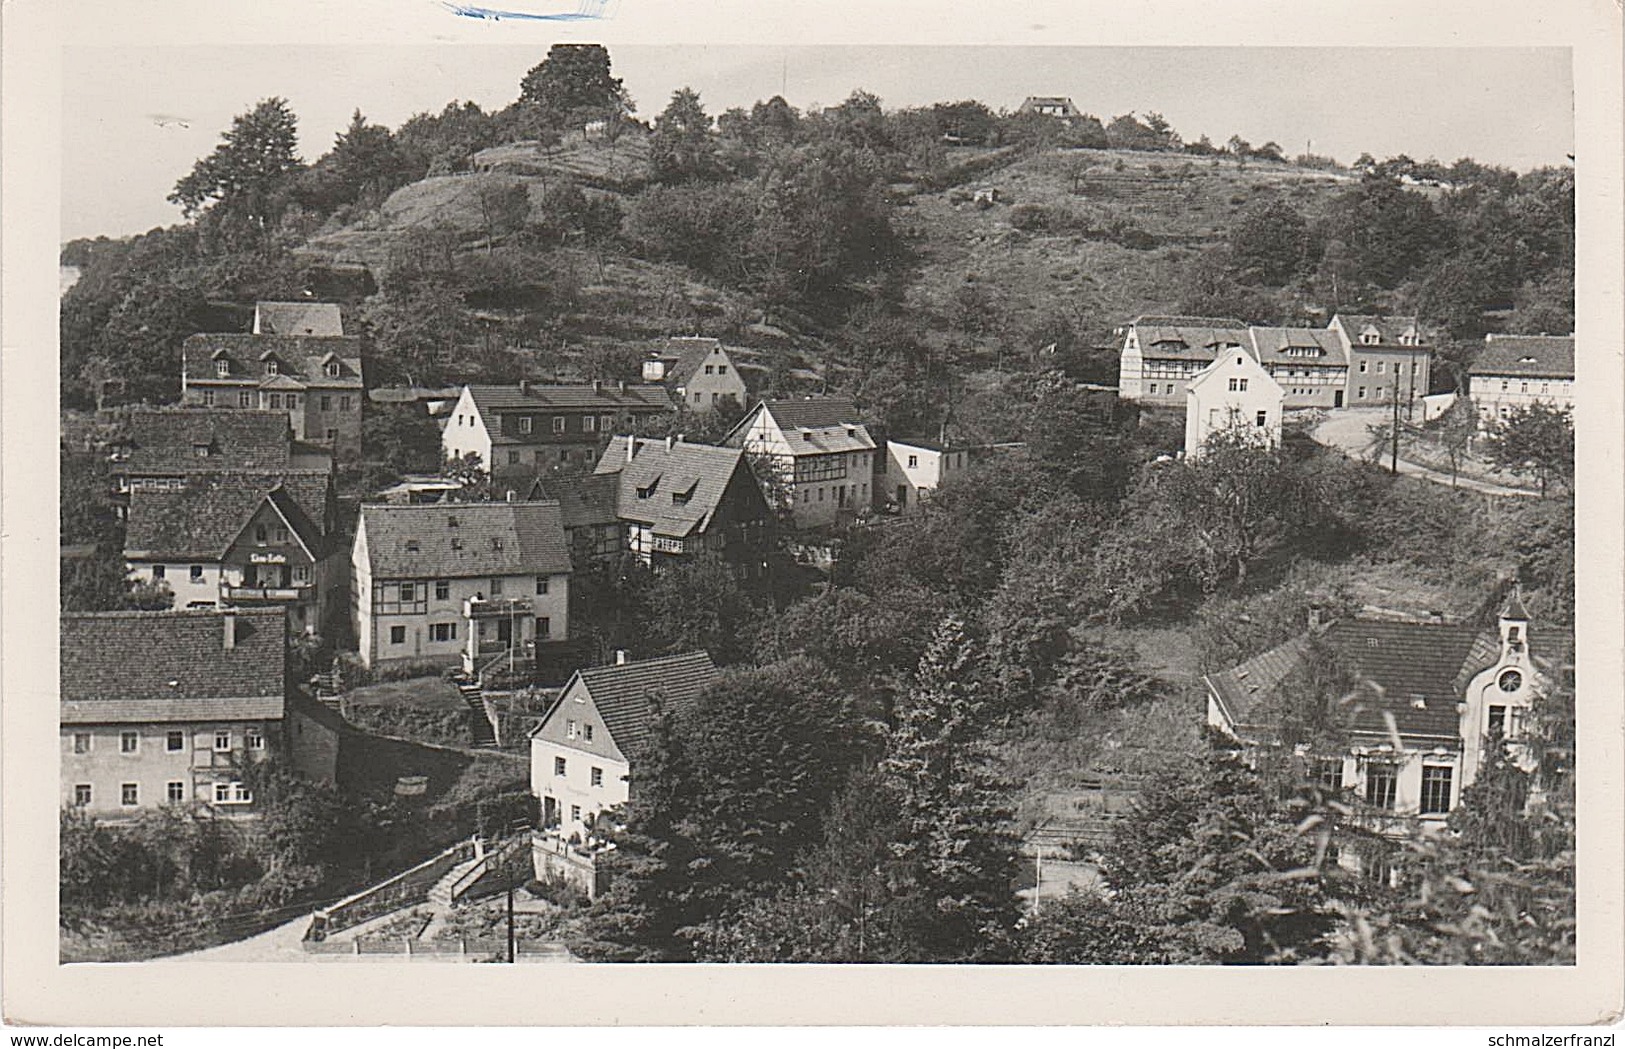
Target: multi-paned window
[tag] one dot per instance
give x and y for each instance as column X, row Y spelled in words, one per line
column 1381, row 784
column 1436, row 789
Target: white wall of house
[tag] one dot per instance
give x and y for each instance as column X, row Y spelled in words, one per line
column 1235, row 393
column 466, row 431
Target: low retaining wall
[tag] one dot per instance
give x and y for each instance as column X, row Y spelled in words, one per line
column 403, row 890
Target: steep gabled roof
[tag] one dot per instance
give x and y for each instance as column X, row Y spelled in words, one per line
column 1274, row 345
column 1388, row 328
column 164, row 441
column 1536, row 356
column 1412, row 672
column 622, row 692
column 672, row 488
column 298, row 357
column 201, row 520
column 575, row 397
column 165, row 666
column 462, row 540
column 298, row 318
column 585, row 500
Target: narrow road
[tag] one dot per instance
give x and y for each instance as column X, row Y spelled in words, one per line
column 1349, row 431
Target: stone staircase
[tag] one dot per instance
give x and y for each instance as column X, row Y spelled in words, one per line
column 482, row 733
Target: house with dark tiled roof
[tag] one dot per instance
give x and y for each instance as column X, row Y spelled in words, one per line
column 168, row 708
column 815, row 455
column 1356, row 361
column 683, row 500
column 317, row 380
column 298, row 318
column 528, row 429
column 161, row 448
column 459, row 583
column 243, row 539
column 698, row 372
column 1430, row 699
column 1516, row 371
column 584, row 751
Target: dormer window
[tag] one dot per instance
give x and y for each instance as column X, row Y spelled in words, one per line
column 222, row 367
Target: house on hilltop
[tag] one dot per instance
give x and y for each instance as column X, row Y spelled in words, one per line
column 317, row 380
column 320, row 319
column 168, row 708
column 698, row 372
column 1516, row 371
column 814, row 455
column 1432, row 699
column 459, row 583
column 527, row 429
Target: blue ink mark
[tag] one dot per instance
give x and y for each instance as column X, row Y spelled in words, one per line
column 586, row 10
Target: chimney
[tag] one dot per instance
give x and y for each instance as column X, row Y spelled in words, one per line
column 228, row 617
column 620, row 657
column 524, row 387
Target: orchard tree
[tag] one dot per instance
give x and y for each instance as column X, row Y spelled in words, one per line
column 241, row 185
column 1537, row 439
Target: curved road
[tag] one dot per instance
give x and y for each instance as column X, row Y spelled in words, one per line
column 1349, row 431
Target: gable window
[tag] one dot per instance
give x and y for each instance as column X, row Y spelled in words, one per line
column 442, row 589
column 81, row 743
column 175, row 791
column 174, row 741
column 1381, row 784
column 1435, row 789
column 558, row 766
column 597, row 777
column 129, row 794
column 129, row 742
column 397, row 635
column 222, row 740
column 81, row 794
column 558, row 424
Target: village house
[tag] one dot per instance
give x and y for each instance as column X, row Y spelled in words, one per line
column 242, row 539
column 1234, row 395
column 317, row 380
column 1160, row 354
column 1356, row 361
column 698, row 372
column 587, row 508
column 459, row 583
column 583, row 753
column 1387, row 357
column 917, row 467
column 320, row 319
column 528, row 429
column 1432, row 699
column 162, row 448
column 1516, row 371
column 1049, row 106
column 814, row 455
column 168, row 708
column 683, row 500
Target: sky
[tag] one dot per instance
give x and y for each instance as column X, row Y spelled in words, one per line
column 135, row 119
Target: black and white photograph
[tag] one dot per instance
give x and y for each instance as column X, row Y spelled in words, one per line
column 556, row 502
